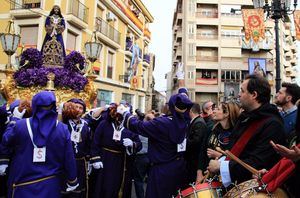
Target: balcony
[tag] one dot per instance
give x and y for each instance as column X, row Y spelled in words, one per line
column 231, row 41
column 21, row 8
column 206, row 81
column 130, row 13
column 110, row 32
column 231, row 19
column 207, row 58
column 25, row 4
column 147, row 33
column 77, row 14
column 205, row 14
column 207, row 39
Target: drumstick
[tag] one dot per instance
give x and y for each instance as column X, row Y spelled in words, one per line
column 236, row 159
column 205, row 177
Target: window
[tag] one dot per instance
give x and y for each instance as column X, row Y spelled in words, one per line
column 141, row 103
column 71, row 41
column 110, row 60
column 231, row 75
column 206, row 74
column 192, row 7
column 191, row 29
column 29, row 35
column 192, row 48
column 190, row 75
column 126, row 74
column 104, row 97
column 127, row 98
column 143, row 78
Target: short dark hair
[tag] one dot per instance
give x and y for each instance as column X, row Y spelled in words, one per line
column 261, row 86
column 293, row 90
column 196, row 108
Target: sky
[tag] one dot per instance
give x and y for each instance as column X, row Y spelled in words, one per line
column 161, row 39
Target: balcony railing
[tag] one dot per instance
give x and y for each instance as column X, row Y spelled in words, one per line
column 106, row 29
column 79, row 10
column 206, row 81
column 236, row 15
column 24, row 4
column 207, row 58
column 147, row 58
column 206, row 36
column 205, row 14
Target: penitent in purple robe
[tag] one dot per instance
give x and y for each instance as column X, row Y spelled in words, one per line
column 113, row 180
column 31, row 179
column 28, row 179
column 168, row 168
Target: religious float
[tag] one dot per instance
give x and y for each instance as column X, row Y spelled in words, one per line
column 69, row 76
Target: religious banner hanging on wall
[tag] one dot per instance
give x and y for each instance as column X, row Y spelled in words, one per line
column 297, row 23
column 254, row 24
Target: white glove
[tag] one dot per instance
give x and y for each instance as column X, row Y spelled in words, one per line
column 18, row 114
column 98, row 165
column 180, row 72
column 121, row 109
column 127, row 142
column 3, row 169
column 71, row 188
column 89, row 168
column 60, row 108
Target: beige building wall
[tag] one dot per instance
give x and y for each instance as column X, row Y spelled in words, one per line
column 115, row 22
column 208, row 39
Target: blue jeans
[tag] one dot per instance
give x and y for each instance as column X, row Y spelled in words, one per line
column 141, row 168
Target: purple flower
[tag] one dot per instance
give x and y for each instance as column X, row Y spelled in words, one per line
column 72, row 60
column 34, row 57
column 34, row 74
column 38, row 77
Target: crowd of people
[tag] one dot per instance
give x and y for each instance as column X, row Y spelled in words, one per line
column 65, row 150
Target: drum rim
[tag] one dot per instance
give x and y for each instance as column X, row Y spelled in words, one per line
column 200, row 187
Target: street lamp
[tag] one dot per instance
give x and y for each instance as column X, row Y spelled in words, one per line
column 10, row 42
column 93, row 49
column 278, row 9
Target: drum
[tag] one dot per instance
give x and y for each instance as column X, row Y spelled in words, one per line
column 251, row 189
column 204, row 190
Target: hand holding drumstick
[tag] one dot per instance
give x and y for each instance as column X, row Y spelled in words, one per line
column 236, row 159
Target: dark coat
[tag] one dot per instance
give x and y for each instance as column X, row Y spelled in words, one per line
column 195, row 154
column 258, row 152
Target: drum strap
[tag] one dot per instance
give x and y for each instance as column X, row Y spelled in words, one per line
column 239, row 146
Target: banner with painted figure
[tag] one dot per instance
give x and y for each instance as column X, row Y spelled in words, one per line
column 257, row 66
column 254, row 24
column 231, row 90
column 297, row 23
column 134, row 61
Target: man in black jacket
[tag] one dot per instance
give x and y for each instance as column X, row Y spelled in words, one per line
column 256, row 127
column 195, row 154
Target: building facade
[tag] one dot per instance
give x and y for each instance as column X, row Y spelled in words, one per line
column 208, row 38
column 119, row 24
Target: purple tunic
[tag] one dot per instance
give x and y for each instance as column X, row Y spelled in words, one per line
column 81, row 152
column 168, row 169
column 167, row 172
column 28, row 178
column 113, row 179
